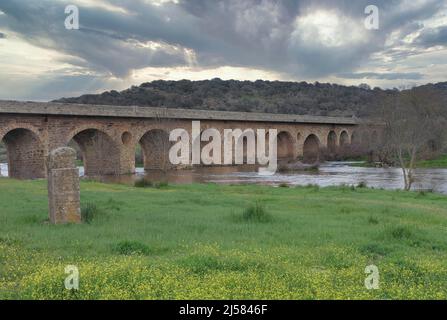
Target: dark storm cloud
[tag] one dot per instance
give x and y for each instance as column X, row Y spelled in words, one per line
column 384, row 76
column 106, row 41
column 433, row 37
column 251, row 33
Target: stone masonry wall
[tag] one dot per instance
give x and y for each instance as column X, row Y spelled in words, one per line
column 109, row 143
column 63, row 186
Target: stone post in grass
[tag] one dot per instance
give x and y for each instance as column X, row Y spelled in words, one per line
column 63, row 186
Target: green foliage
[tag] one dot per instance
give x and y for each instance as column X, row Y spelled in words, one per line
column 89, row 212
column 362, row 184
column 256, row 213
column 439, row 162
column 260, row 96
column 375, row 250
column 373, row 220
column 161, row 184
column 144, row 183
column 400, row 232
column 131, row 248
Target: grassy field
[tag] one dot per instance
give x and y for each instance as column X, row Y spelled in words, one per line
column 224, row 242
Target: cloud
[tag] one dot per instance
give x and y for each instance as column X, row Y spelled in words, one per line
column 384, row 76
column 433, row 37
column 294, row 39
column 107, row 41
column 2, row 35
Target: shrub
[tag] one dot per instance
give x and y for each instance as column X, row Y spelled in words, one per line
column 131, row 248
column 423, row 193
column 374, row 250
column 256, row 213
column 346, row 187
column 161, row 184
column 313, row 187
column 401, row 232
column 142, row 183
column 362, row 184
column 89, row 212
column 373, row 220
column 283, row 185
column 345, row 210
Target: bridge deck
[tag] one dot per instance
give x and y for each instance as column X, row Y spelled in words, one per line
column 89, row 110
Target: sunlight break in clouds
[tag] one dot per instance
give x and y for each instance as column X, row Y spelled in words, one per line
column 328, row 28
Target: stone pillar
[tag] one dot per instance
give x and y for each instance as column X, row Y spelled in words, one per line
column 63, row 186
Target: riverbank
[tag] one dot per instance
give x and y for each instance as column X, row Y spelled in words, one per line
column 437, row 163
column 440, row 162
column 208, row 241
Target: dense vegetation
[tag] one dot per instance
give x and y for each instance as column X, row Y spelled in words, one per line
column 248, row 96
column 215, row 242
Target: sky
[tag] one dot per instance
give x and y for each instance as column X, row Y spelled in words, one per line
column 123, row 43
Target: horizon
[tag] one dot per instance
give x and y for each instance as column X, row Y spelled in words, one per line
column 252, row 81
column 117, row 44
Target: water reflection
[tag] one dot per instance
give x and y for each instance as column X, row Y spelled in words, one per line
column 329, row 174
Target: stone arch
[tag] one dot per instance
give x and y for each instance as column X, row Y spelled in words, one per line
column 100, row 153
column 311, row 149
column 344, row 138
column 25, row 154
column 284, row 145
column 155, row 145
column 332, row 141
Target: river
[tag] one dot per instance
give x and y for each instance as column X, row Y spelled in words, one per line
column 329, row 174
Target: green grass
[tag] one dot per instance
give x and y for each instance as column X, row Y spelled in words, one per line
column 440, row 162
column 183, row 241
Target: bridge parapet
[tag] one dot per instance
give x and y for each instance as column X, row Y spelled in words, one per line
column 88, row 110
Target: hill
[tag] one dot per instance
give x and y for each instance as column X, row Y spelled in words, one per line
column 247, row 96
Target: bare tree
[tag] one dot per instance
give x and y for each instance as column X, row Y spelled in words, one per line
column 411, row 122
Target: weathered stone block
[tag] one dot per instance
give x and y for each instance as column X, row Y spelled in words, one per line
column 63, row 186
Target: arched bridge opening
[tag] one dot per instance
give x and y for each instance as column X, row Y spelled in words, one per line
column 100, row 153
column 25, row 154
column 284, row 145
column 311, row 149
column 155, row 147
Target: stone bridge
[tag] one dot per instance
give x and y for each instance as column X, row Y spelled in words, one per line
column 107, row 136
